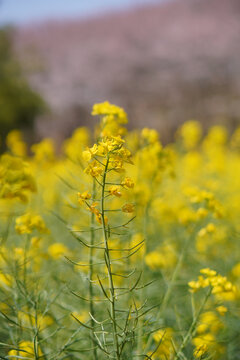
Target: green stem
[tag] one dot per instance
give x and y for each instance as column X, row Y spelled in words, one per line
column 26, row 248
column 169, row 290
column 108, row 265
column 142, row 293
column 91, row 304
column 192, row 328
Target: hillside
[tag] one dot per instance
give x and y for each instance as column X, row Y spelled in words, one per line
column 163, row 63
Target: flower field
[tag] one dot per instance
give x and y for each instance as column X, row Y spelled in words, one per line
column 118, row 247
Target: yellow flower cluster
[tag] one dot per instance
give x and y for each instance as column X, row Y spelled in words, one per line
column 128, row 182
column 206, row 199
column 163, row 257
column 15, row 143
column 83, row 197
column 128, row 208
column 26, row 318
column 44, row 151
column 164, row 338
column 209, row 278
column 111, row 147
column 206, row 334
column 57, row 250
column 29, row 222
column 112, row 117
column 150, row 135
column 190, row 134
column 94, row 169
column 74, row 146
column 25, row 350
column 16, row 180
column 110, row 112
column 115, row 190
column 163, row 210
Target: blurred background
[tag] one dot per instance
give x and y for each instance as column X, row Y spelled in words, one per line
column 164, row 61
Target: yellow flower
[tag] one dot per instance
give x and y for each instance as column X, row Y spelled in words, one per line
column 200, row 350
column 204, row 339
column 82, row 317
column 15, row 178
column 57, row 250
column 208, row 272
column 124, row 155
column 110, row 144
column 111, row 112
column 74, row 146
column 221, row 287
column 92, row 208
column 82, row 197
column 15, row 143
column 28, row 222
column 128, row 182
column 115, row 190
column 6, row 280
column 202, row 213
column 90, row 152
column 117, row 165
column 150, row 135
column 209, row 322
column 236, row 270
column 94, row 169
column 128, row 208
column 44, row 151
column 210, row 228
column 190, row 133
column 154, row 260
column 35, row 242
column 194, row 285
column 28, row 320
column 19, row 254
column 222, row 310
column 97, row 213
column 26, row 350
column 164, row 338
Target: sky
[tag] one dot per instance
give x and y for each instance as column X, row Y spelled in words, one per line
column 17, row 12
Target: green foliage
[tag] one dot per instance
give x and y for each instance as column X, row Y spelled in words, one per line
column 19, row 104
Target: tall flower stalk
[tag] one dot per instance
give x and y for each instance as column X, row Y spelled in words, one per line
column 108, row 265
column 106, row 159
column 91, row 294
